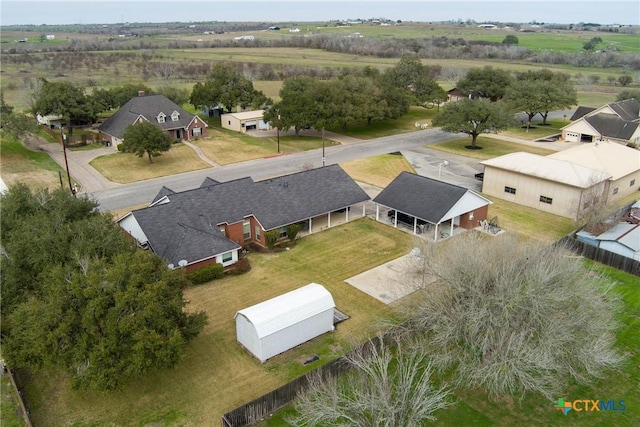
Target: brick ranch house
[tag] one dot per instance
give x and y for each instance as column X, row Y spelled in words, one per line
column 211, row 223
column 156, row 109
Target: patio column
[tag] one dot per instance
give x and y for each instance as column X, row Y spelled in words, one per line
column 452, row 221
column 377, row 212
column 364, row 210
column 415, row 224
column 395, row 219
column 435, row 236
column 347, row 215
column 310, row 226
column 329, row 220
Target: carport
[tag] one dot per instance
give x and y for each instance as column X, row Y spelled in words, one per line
column 424, row 203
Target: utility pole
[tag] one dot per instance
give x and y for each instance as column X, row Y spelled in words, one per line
column 323, row 158
column 278, row 132
column 66, row 162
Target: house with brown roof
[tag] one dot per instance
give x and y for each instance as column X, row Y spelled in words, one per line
column 156, row 109
column 617, row 122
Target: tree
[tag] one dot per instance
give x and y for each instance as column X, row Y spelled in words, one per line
column 591, row 45
column 176, row 94
column 628, row 94
column 226, row 86
column 625, row 80
column 541, row 91
column 510, row 39
column 294, row 108
column 76, row 293
column 383, row 388
column 145, row 137
column 64, row 99
column 106, row 324
column 417, row 79
column 473, row 117
column 503, row 316
column 13, row 123
column 487, row 82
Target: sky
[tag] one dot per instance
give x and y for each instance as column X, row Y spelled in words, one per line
column 52, row 12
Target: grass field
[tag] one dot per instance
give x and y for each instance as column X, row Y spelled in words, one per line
column 19, row 164
column 491, row 147
column 216, row 375
column 378, row 170
column 124, row 168
column 225, row 147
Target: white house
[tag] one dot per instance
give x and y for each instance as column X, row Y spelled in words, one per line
column 286, row 321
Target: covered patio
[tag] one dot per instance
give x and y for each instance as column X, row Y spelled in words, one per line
column 430, row 207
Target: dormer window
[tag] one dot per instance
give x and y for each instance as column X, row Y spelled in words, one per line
column 161, row 117
column 175, row 116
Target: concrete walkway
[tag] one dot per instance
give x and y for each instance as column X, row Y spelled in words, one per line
column 200, row 153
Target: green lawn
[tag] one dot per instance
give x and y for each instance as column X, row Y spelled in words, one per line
column 491, row 147
column 377, row 170
column 10, row 413
column 216, row 375
column 19, row 164
column 406, row 123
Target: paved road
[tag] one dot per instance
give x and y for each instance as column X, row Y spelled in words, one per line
column 134, row 194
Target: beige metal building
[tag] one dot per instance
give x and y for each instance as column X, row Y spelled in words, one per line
column 551, row 185
column 244, row 121
column 622, row 163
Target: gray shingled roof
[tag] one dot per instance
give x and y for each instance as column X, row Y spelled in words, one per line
column 187, row 226
column 628, row 109
column 421, row 197
column 148, row 106
column 612, row 126
column 164, row 191
column 580, row 112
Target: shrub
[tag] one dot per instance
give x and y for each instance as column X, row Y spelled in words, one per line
column 206, row 274
column 271, row 237
column 242, row 266
column 292, row 231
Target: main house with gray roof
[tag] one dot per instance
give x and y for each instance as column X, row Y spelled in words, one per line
column 156, row 109
column 617, row 122
column 213, row 222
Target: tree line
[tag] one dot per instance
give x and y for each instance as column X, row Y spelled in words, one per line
column 426, row 48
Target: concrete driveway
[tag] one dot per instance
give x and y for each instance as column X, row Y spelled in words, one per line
column 391, row 281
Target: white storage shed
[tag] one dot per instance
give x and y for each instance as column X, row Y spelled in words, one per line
column 281, row 323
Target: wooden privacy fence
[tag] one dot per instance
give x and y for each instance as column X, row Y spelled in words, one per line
column 611, row 259
column 269, row 403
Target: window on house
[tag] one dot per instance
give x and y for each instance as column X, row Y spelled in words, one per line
column 283, row 232
column 509, row 190
column 227, row 256
column 258, row 231
column 632, row 183
column 161, row 118
column 175, row 116
column 615, row 190
column 545, row 199
column 246, row 230
column 196, row 132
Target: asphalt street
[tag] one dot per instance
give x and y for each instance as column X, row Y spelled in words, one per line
column 123, row 196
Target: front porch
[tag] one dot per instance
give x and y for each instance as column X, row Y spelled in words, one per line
column 332, row 219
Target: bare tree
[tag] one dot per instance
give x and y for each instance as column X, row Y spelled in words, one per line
column 514, row 318
column 384, row 388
